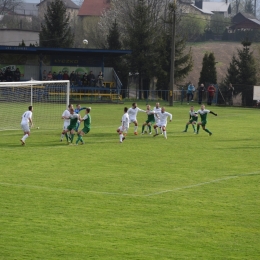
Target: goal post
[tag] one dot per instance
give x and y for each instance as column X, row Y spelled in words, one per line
column 48, row 98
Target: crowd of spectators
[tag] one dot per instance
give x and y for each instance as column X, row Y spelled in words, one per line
column 76, row 79
column 10, row 76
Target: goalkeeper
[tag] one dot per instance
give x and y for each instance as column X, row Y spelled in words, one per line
column 77, row 110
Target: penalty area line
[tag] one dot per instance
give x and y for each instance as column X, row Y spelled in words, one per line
column 202, row 183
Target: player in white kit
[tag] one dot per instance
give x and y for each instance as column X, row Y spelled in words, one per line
column 26, row 119
column 163, row 115
column 65, row 116
column 132, row 112
column 157, row 109
column 124, row 126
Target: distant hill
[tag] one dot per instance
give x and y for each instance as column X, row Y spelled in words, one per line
column 223, row 52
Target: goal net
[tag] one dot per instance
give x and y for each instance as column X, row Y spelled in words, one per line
column 48, row 98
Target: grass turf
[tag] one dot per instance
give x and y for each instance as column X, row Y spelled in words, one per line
column 187, row 197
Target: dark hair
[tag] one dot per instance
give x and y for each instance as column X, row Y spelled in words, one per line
column 134, row 104
column 30, row 108
column 125, row 109
column 69, row 105
column 88, row 109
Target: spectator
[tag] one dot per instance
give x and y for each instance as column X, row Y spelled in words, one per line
column 1, row 76
column 84, row 79
column 59, row 76
column 211, row 93
column 17, row 75
column 201, row 91
column 49, row 76
column 44, row 75
column 54, row 75
column 8, row 75
column 65, row 76
column 73, row 78
column 77, row 79
column 91, row 79
column 190, row 91
column 230, row 92
column 100, row 79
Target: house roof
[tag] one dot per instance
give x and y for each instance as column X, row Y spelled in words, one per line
column 255, row 21
column 93, row 7
column 26, row 9
column 216, row 6
column 247, row 15
column 204, row 10
column 68, row 3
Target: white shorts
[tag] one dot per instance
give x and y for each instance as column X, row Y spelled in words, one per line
column 25, row 127
column 132, row 120
column 161, row 124
column 65, row 125
column 121, row 129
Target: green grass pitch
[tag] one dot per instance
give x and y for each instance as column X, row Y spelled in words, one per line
column 187, row 197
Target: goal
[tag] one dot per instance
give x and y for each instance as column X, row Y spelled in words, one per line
column 48, row 98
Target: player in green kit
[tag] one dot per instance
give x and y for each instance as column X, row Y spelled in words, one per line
column 203, row 115
column 192, row 119
column 73, row 124
column 150, row 120
column 87, row 125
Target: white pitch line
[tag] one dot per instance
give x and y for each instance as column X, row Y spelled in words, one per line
column 127, row 194
column 201, row 184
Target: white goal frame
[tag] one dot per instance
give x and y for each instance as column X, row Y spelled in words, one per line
column 49, row 99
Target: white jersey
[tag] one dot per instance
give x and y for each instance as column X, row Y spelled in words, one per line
column 132, row 112
column 156, row 110
column 25, row 117
column 203, row 112
column 66, row 113
column 163, row 118
column 125, row 121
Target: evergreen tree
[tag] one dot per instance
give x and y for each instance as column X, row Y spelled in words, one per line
column 22, row 44
column 118, row 63
column 249, row 7
column 208, row 74
column 140, row 41
column 55, row 30
column 242, row 71
column 183, row 62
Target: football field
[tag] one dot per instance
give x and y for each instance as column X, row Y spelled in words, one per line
column 187, row 197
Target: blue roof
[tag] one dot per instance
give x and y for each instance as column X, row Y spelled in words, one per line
column 42, row 50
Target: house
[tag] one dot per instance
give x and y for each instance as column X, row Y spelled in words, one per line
column 244, row 21
column 206, row 9
column 72, row 8
column 221, row 8
column 93, row 7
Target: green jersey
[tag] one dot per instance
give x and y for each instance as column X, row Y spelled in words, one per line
column 87, row 121
column 74, row 120
column 193, row 115
column 203, row 114
column 150, row 116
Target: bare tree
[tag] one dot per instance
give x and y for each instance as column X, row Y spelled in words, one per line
column 7, row 6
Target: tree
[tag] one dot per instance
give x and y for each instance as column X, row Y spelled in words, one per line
column 208, row 74
column 140, row 40
column 219, row 23
column 118, row 63
column 249, row 7
column 191, row 28
column 55, row 30
column 8, row 5
column 22, row 44
column 242, row 71
column 183, row 61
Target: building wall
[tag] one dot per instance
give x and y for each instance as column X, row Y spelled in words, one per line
column 13, row 37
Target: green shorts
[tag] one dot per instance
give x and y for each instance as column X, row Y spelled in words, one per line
column 72, row 127
column 204, row 122
column 193, row 121
column 85, row 130
column 151, row 121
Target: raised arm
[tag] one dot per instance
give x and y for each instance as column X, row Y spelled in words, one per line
column 211, row 112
